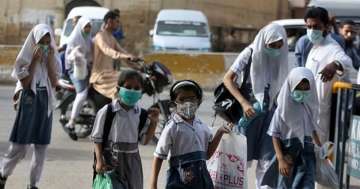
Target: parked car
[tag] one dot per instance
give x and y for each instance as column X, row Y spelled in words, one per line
column 181, row 30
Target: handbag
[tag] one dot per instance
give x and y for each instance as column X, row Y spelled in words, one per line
column 225, row 105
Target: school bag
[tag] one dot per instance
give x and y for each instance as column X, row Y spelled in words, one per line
column 225, row 105
column 107, row 126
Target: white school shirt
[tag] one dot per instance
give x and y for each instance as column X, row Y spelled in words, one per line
column 279, row 129
column 179, row 138
column 320, row 56
column 125, row 125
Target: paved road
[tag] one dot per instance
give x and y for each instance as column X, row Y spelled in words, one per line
column 69, row 164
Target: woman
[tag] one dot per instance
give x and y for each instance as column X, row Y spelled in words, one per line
column 37, row 67
column 268, row 69
column 78, row 58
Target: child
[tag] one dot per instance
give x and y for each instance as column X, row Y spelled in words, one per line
column 187, row 141
column 293, row 131
column 36, row 69
column 118, row 128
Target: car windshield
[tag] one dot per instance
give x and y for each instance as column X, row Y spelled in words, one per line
column 95, row 27
column 182, row 28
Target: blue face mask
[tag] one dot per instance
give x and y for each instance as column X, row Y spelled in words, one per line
column 85, row 34
column 129, row 97
column 315, row 36
column 272, row 52
column 44, row 48
column 299, row 95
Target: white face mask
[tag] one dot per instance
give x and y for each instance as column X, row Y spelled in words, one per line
column 187, row 109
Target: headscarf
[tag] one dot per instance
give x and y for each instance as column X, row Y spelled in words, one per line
column 268, row 70
column 23, row 60
column 77, row 39
column 288, row 109
column 25, row 55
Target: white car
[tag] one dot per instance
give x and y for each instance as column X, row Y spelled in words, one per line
column 181, row 30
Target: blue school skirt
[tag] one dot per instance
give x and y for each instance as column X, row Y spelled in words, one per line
column 32, row 124
column 79, row 84
column 303, row 171
column 189, row 171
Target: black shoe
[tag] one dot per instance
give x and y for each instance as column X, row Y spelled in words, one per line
column 71, row 132
column 32, row 187
column 2, row 182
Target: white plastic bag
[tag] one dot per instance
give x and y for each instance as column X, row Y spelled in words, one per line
column 325, row 171
column 227, row 167
column 77, row 58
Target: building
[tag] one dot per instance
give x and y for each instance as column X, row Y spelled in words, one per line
column 240, row 18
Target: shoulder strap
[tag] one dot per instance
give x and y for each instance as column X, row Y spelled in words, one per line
column 107, row 125
column 143, row 118
column 247, row 69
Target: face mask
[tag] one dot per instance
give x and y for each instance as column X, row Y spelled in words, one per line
column 272, row 52
column 128, row 96
column 187, row 109
column 315, row 36
column 85, row 34
column 44, row 48
column 299, row 95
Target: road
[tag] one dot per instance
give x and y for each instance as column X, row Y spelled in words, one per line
column 68, row 163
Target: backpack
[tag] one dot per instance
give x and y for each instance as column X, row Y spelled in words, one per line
column 107, row 127
column 225, row 105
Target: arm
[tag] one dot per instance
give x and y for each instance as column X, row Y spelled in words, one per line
column 26, row 81
column 216, row 140
column 228, row 80
column 316, row 138
column 100, row 166
column 52, row 73
column 156, row 166
column 154, row 119
column 107, row 50
column 284, row 167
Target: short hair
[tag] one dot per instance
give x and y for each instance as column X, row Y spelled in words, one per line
column 110, row 15
column 117, row 11
column 347, row 22
column 129, row 74
column 318, row 13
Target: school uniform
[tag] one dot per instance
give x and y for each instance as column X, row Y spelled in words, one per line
column 265, row 71
column 121, row 148
column 186, row 147
column 293, row 124
column 33, row 121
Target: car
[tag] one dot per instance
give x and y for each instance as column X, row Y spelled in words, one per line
column 181, row 30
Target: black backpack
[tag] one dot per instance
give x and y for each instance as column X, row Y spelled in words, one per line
column 225, row 105
column 107, row 127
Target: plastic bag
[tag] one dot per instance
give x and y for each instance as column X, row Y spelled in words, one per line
column 227, row 167
column 102, row 181
column 325, row 171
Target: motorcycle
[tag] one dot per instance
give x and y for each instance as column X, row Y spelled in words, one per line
column 156, row 77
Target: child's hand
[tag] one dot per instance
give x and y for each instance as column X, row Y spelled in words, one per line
column 100, row 167
column 37, row 53
column 284, row 167
column 153, row 114
column 226, row 128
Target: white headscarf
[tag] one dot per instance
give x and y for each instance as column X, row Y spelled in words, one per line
column 288, row 109
column 268, row 70
column 23, row 60
column 77, row 39
column 25, row 55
